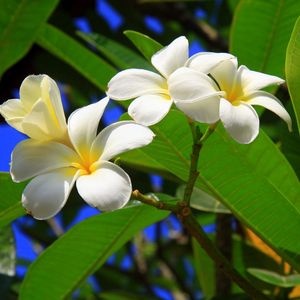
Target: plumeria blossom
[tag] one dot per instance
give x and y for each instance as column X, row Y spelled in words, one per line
column 151, row 90
column 55, row 167
column 240, row 89
column 39, row 112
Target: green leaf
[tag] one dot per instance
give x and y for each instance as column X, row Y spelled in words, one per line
column 121, row 56
column 254, row 181
column 7, row 260
column 260, row 33
column 20, row 21
column 285, row 281
column 88, row 64
column 292, row 68
column 10, row 199
column 63, row 266
column 200, row 200
column 7, row 252
column 144, row 43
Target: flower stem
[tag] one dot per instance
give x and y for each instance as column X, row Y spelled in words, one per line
column 198, row 141
column 185, row 216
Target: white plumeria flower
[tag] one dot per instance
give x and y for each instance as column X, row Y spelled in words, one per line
column 39, row 112
column 240, row 89
column 55, row 167
column 151, row 90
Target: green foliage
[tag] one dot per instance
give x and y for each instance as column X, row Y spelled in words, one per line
column 285, row 281
column 82, row 250
column 144, row 43
column 292, row 69
column 15, row 38
column 92, row 67
column 260, row 33
column 10, row 196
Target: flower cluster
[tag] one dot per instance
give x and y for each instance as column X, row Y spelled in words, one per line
column 58, row 154
column 207, row 87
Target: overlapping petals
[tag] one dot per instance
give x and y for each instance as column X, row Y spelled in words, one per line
column 153, row 92
column 56, row 167
column 39, row 112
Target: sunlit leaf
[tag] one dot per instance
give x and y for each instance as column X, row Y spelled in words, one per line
column 63, row 266
column 292, row 68
column 276, row 279
column 20, row 21
column 260, row 33
column 144, row 43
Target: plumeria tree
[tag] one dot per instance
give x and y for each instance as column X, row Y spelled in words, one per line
column 192, row 192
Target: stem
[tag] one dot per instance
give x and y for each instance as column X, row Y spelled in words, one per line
column 198, row 141
column 185, row 216
column 224, row 244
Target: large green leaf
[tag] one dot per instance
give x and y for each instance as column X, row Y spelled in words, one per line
column 87, row 63
column 64, row 265
column 292, row 69
column 274, row 278
column 254, row 181
column 20, row 21
column 144, row 43
column 118, row 54
column 10, row 199
column 260, row 33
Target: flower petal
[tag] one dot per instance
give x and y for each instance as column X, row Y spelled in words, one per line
column 132, row 83
column 30, row 90
column 45, row 195
column 272, row 103
column 39, row 123
column 149, row 109
column 189, row 85
column 241, row 122
column 13, row 111
column 31, row 158
column 205, row 110
column 51, row 96
column 253, row 81
column 120, row 137
column 225, row 73
column 171, row 57
column 83, row 124
column 206, row 61
column 107, row 188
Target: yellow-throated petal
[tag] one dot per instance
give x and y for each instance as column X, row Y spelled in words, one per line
column 107, row 188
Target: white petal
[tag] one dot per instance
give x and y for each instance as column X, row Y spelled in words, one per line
column 149, row 109
column 206, row 111
column 51, row 96
column 272, row 103
column 120, row 137
column 132, row 83
column 30, row 90
column 40, row 123
column 31, row 158
column 171, row 57
column 253, row 81
column 107, row 188
column 46, row 194
column 225, row 74
column 189, row 85
column 241, row 122
column 83, row 124
column 13, row 111
column 206, row 61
